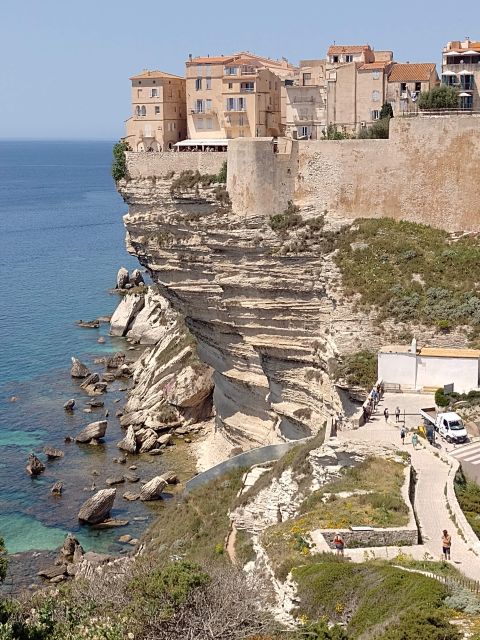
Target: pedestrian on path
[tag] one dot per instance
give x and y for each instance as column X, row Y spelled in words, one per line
column 446, row 544
column 339, row 543
column 402, row 435
column 414, row 440
column 385, row 413
column 397, row 414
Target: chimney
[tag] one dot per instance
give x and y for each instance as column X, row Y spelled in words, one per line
column 190, row 57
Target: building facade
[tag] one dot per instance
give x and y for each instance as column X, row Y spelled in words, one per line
column 234, row 96
column 461, row 70
column 158, row 119
column 355, row 85
column 406, row 82
column 304, row 100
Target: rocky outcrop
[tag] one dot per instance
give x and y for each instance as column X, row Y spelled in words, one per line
column 69, row 405
column 152, row 490
column 35, row 466
column 125, row 313
column 52, row 453
column 78, row 370
column 97, row 508
column 93, row 431
column 122, row 278
column 129, row 442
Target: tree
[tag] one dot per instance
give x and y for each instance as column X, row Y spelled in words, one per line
column 386, row 111
column 119, row 167
column 441, row 97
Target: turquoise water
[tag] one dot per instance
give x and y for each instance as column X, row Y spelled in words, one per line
column 61, row 244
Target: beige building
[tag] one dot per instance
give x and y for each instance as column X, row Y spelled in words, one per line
column 461, row 70
column 234, row 96
column 304, row 100
column 406, row 82
column 356, row 79
column 158, row 118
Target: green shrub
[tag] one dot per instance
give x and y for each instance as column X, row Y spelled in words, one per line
column 441, row 97
column 289, row 219
column 222, row 174
column 119, row 167
column 378, row 130
column 358, row 369
column 422, row 623
column 441, row 400
column 332, row 133
column 463, row 600
column 468, row 496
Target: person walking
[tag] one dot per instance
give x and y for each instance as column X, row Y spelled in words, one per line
column 397, row 414
column 414, row 440
column 339, row 543
column 403, row 433
column 386, row 414
column 446, row 544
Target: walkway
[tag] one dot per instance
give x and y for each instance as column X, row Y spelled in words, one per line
column 432, row 472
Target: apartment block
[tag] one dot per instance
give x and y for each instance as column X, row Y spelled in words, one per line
column 406, row 82
column 461, row 70
column 158, row 119
column 234, row 96
column 304, row 100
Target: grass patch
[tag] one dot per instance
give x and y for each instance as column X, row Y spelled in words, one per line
column 468, row 496
column 244, row 547
column 289, row 219
column 366, row 596
column 195, row 528
column 411, row 272
column 189, row 179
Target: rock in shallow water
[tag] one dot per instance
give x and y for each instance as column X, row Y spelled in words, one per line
column 78, row 370
column 129, row 442
column 52, row 453
column 93, row 431
column 152, row 490
column 69, row 405
column 97, row 508
column 35, row 466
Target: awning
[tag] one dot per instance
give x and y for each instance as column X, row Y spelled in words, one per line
column 464, row 72
column 204, row 142
column 465, row 95
column 471, row 52
column 453, row 53
column 449, row 73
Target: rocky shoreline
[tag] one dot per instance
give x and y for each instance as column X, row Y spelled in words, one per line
column 168, row 404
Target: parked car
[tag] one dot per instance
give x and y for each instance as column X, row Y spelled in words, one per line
column 448, row 424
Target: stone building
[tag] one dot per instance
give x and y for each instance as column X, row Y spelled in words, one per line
column 234, row 96
column 461, row 70
column 158, row 117
column 406, row 82
column 355, row 85
column 304, row 100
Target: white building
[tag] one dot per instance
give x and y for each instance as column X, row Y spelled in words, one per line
column 429, row 368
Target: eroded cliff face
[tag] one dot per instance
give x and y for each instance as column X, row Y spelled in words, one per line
column 266, row 307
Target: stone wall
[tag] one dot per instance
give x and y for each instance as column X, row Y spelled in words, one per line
column 428, row 171
column 148, row 165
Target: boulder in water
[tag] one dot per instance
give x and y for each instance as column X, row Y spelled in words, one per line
column 97, row 508
column 78, row 370
column 35, row 466
column 57, row 489
column 69, row 405
column 93, row 431
column 52, row 453
column 129, row 442
column 122, row 278
column 152, row 490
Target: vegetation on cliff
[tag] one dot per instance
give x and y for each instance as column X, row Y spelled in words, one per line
column 357, row 369
column 411, row 272
column 468, row 496
column 119, row 166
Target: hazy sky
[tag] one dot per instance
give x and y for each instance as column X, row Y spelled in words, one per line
column 65, row 64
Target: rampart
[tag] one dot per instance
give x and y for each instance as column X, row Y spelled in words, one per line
column 158, row 165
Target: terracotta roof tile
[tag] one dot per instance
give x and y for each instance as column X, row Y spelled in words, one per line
column 371, row 66
column 411, row 72
column 211, row 60
column 155, row 74
column 337, row 49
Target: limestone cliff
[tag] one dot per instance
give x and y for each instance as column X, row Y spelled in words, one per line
column 266, row 307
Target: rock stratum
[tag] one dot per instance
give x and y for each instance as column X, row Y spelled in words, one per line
column 265, row 307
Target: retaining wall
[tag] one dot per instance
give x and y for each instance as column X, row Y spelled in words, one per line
column 158, row 165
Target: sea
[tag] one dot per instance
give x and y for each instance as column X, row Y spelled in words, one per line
column 61, row 244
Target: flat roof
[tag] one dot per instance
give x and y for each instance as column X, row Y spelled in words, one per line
column 395, row 348
column 435, row 352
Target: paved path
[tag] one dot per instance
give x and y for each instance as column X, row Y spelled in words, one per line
column 432, row 472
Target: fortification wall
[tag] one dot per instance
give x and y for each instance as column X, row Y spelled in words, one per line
column 428, row 171
column 158, row 165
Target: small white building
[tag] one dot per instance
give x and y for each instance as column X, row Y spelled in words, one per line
column 429, row 368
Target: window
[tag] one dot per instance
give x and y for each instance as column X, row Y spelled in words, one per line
column 174, row 126
column 198, row 84
column 200, row 123
column 418, row 86
column 375, row 114
column 376, row 75
column 375, row 96
column 241, row 121
column 242, row 104
column 306, row 78
column 230, row 85
column 154, row 93
column 208, row 83
column 138, row 111
column 208, row 105
column 247, row 86
column 403, row 87
column 348, row 58
column 335, row 59
column 231, row 104
column 303, row 132
column 143, row 111
column 209, row 123
column 157, row 110
column 231, row 71
column 199, row 106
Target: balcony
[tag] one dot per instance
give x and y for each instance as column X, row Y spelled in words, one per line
column 303, row 119
column 247, row 70
column 203, row 111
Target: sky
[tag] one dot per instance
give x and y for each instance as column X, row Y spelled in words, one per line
column 65, row 64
